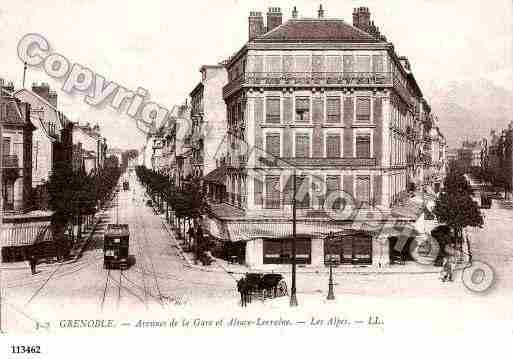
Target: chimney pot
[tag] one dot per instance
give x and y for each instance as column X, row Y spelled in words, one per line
column 320, row 12
column 294, row 13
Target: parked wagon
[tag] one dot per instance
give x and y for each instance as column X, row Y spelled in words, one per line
column 269, row 285
column 115, row 246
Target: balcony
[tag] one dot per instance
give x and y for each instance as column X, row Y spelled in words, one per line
column 10, row 161
column 317, row 162
column 314, row 79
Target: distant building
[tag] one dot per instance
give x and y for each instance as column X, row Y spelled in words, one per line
column 16, row 152
column 93, row 147
column 52, row 140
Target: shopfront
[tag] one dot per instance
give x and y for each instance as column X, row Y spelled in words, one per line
column 279, row 250
column 349, row 248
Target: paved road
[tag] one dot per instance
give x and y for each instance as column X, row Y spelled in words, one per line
column 159, row 279
column 161, row 282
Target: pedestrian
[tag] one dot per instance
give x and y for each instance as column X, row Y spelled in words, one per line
column 452, row 268
column 32, row 262
column 190, row 234
column 242, row 288
column 443, row 273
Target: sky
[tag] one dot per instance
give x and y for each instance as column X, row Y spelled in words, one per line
column 161, row 45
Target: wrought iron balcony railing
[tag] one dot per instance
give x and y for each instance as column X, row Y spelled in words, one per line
column 309, row 79
column 320, row 161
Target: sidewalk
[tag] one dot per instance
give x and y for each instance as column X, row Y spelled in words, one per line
column 75, row 252
column 220, row 265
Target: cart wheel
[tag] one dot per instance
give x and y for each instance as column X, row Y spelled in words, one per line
column 281, row 288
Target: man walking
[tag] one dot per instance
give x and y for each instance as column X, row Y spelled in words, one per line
column 32, row 262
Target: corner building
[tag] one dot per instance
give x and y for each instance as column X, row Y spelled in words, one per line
column 332, row 101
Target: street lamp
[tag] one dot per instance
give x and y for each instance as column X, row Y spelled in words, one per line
column 331, row 295
column 293, row 298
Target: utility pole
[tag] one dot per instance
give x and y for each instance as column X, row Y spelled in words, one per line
column 293, row 298
column 24, row 73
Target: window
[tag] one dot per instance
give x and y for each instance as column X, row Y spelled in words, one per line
column 302, row 146
column 363, row 190
column 377, row 63
column 302, row 192
column 363, row 63
column 273, row 110
column 272, row 192
column 333, row 146
column 363, row 146
column 363, row 109
column 333, row 186
column 302, row 109
column 279, row 251
column 348, row 63
column 6, row 146
column 272, row 144
column 333, row 110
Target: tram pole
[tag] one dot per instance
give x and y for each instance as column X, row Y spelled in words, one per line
column 293, row 298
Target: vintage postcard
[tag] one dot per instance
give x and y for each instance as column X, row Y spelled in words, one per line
column 249, row 170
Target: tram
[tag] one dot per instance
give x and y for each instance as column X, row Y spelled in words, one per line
column 115, row 246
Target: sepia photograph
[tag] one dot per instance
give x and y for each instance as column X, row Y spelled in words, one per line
column 248, row 171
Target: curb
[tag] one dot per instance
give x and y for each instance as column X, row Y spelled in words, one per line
column 87, row 241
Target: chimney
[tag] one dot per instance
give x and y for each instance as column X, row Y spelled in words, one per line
column 42, row 90
column 361, row 18
column 294, row 13
column 320, row 12
column 274, row 18
column 52, row 98
column 256, row 25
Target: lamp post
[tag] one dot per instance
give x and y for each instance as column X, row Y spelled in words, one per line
column 293, row 298
column 331, row 295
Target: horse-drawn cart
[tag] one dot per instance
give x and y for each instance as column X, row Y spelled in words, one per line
column 269, row 285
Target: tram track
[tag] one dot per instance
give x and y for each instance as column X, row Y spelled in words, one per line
column 143, row 249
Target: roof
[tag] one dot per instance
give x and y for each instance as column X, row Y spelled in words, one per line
column 332, row 30
column 217, row 176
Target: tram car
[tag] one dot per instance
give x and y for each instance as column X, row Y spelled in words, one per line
column 115, row 246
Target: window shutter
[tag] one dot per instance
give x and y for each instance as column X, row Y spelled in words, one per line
column 302, row 192
column 363, row 189
column 302, row 146
column 273, row 110
column 333, row 185
column 259, row 186
column 272, row 189
column 333, row 110
column 363, row 109
column 333, row 146
column 273, row 144
column 363, row 146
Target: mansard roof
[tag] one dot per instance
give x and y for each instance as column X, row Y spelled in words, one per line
column 313, row 30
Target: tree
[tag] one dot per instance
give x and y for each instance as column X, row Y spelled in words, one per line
column 456, row 208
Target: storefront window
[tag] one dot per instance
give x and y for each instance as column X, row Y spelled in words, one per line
column 279, row 251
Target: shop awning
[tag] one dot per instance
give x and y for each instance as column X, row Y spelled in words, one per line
column 23, row 234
